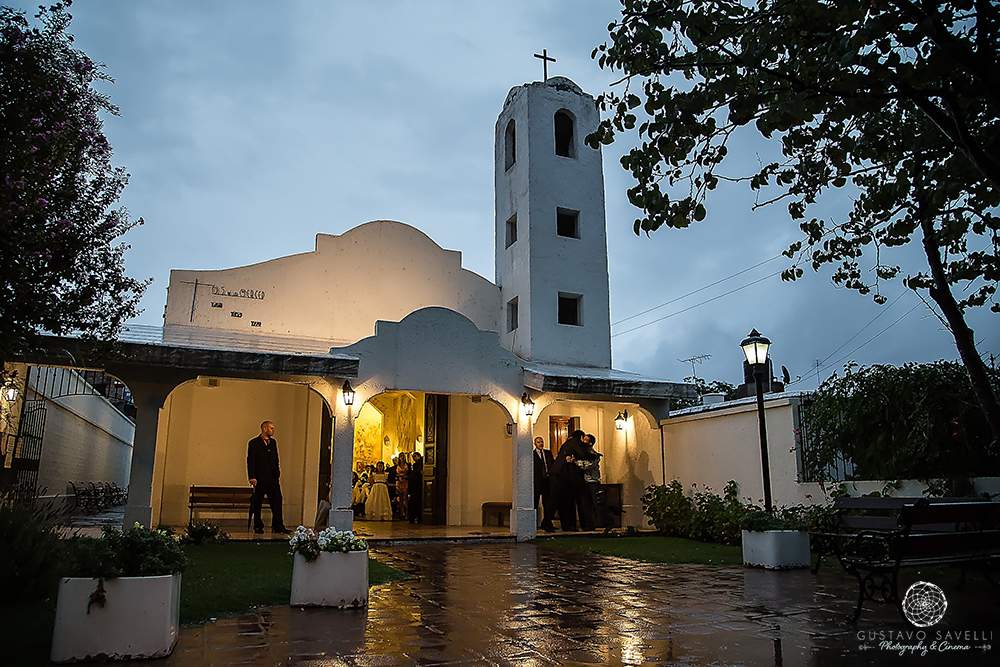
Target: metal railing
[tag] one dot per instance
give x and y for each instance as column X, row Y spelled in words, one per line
column 233, row 341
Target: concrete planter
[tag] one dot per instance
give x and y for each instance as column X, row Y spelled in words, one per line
column 332, row 580
column 139, row 618
column 776, row 549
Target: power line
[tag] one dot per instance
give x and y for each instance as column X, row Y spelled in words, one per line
column 695, row 305
column 867, row 324
column 692, row 292
column 848, row 355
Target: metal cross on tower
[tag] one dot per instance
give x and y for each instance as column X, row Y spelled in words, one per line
column 544, row 57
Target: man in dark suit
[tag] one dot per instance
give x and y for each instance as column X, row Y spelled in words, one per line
column 543, row 465
column 566, row 482
column 263, row 472
column 415, row 482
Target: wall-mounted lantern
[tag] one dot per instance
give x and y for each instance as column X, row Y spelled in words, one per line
column 621, row 419
column 348, row 392
column 529, row 405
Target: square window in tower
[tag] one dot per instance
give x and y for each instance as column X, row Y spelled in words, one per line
column 568, row 223
column 512, row 315
column 570, row 309
column 511, row 231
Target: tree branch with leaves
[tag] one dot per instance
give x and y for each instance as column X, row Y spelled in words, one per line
column 894, row 103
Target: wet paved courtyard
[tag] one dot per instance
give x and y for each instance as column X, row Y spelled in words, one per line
column 524, row 604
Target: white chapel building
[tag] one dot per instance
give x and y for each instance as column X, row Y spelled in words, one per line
column 441, row 360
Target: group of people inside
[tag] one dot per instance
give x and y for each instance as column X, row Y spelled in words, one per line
column 385, row 492
column 569, row 484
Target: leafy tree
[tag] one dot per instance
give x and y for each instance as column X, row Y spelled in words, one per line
column 703, row 387
column 916, row 421
column 62, row 267
column 896, row 101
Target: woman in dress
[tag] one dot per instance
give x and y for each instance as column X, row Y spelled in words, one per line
column 377, row 507
column 402, row 487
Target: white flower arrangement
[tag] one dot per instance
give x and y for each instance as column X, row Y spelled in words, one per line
column 331, row 539
column 306, row 542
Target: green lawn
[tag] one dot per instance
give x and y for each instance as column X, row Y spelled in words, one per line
column 650, row 548
column 220, row 579
column 230, row 578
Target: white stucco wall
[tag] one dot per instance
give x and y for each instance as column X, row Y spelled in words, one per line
column 541, row 263
column 479, row 459
column 380, row 270
column 86, row 439
column 711, row 448
column 202, row 440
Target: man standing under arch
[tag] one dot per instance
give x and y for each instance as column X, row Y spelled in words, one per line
column 263, row 472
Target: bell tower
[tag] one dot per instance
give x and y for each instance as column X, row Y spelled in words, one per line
column 551, row 240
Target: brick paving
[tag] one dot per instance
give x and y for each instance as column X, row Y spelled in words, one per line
column 523, row 604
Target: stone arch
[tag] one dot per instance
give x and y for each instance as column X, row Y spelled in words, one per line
column 205, row 423
column 564, row 130
column 509, row 145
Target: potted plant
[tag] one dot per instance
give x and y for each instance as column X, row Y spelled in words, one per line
column 121, row 599
column 329, row 569
column 775, row 540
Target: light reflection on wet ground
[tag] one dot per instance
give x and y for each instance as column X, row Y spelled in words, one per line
column 526, row 605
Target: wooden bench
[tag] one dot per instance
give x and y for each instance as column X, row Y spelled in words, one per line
column 873, row 538
column 220, row 499
column 496, row 514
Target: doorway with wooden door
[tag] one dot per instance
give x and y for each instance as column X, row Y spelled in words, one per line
column 559, row 429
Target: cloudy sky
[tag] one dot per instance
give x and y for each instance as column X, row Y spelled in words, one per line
column 248, row 127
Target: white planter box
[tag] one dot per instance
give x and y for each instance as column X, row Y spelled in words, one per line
column 139, row 619
column 332, row 580
column 776, row 549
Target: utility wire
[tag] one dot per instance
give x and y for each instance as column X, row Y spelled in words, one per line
column 848, row 355
column 882, row 311
column 692, row 292
column 695, row 305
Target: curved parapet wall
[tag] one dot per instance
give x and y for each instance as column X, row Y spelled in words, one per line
column 381, row 270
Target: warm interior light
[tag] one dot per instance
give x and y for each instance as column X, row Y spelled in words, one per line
column 348, row 391
column 529, row 405
column 621, row 419
column 755, row 348
column 11, row 393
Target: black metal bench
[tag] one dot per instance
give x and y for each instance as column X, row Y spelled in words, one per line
column 220, row 499
column 873, row 538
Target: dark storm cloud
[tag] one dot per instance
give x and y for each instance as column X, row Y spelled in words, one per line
column 250, row 126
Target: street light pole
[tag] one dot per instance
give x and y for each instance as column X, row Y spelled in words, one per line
column 764, row 463
column 755, row 347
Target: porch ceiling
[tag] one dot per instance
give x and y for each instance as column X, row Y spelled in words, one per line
column 607, row 381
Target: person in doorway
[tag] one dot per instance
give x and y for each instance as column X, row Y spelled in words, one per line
column 392, row 480
column 543, row 465
column 415, row 482
column 263, row 472
column 402, row 487
column 590, row 464
column 377, row 506
column 566, row 480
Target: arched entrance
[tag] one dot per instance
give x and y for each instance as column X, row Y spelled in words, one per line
column 204, row 426
column 465, row 443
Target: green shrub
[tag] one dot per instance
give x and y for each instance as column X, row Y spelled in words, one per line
column 29, row 538
column 668, row 508
column 136, row 552
column 204, row 532
column 708, row 517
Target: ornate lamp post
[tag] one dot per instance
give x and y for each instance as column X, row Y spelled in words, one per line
column 755, row 348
